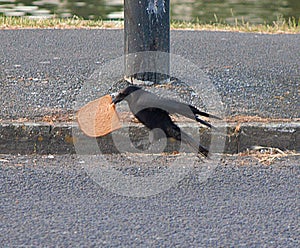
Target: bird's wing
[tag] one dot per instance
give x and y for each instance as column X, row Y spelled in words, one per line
column 186, row 110
column 143, row 100
column 146, row 99
column 149, row 100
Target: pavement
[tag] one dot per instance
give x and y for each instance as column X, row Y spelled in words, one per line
column 44, row 70
column 51, row 200
column 45, row 73
column 50, row 194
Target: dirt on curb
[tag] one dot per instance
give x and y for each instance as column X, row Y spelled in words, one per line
column 128, row 117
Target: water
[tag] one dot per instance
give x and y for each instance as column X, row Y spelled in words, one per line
column 207, row 11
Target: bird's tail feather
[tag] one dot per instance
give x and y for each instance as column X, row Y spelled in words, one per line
column 198, row 112
column 206, row 123
column 194, row 144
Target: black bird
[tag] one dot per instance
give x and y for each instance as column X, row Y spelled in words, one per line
column 153, row 111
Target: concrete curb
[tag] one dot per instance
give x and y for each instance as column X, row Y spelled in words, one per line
column 58, row 138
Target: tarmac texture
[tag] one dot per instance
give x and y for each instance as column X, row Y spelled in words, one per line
column 42, row 71
column 52, row 201
column 45, row 73
column 51, row 196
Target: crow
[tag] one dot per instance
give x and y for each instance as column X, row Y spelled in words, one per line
column 154, row 112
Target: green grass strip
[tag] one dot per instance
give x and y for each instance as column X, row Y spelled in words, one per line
column 279, row 26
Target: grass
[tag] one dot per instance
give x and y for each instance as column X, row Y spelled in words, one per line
column 56, row 23
column 279, row 26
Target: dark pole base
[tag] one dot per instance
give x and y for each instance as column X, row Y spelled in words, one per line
column 147, row 29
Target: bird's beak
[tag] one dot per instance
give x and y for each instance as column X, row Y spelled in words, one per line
column 117, row 97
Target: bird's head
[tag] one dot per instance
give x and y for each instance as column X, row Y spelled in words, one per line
column 125, row 93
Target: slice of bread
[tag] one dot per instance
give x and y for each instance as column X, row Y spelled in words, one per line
column 99, row 117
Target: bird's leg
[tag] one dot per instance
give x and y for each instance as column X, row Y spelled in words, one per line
column 158, row 140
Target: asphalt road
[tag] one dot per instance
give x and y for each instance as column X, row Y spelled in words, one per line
column 51, row 201
column 43, row 71
column 54, row 200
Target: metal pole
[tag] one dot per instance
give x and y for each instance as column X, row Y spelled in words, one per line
column 147, row 39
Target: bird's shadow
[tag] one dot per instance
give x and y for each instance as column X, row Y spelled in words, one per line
column 136, row 139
